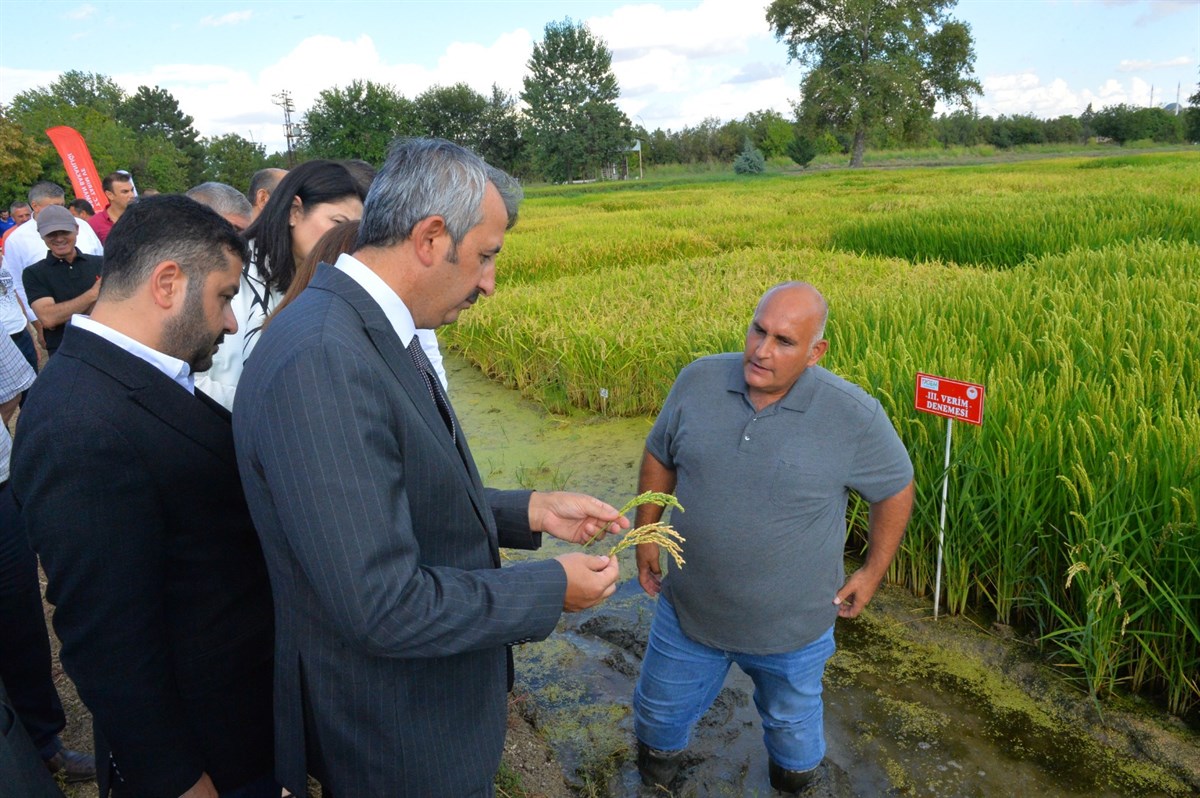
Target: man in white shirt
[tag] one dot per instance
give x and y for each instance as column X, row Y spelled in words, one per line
column 25, row 246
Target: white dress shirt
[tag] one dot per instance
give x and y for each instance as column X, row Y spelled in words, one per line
column 396, row 311
column 254, row 301
column 179, row 371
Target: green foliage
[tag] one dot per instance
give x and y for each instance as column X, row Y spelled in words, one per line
column 875, row 65
column 500, row 140
column 1124, row 123
column 21, row 157
column 1191, row 125
column 232, row 160
column 575, row 126
column 750, row 161
column 1004, row 231
column 358, row 121
column 801, row 150
column 1083, row 483
column 155, row 113
column 453, row 113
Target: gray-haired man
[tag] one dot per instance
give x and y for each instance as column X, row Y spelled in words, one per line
column 393, row 613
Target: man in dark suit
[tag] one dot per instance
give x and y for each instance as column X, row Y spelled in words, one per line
column 393, row 615
column 128, row 485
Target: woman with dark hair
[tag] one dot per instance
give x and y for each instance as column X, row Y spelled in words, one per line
column 337, row 241
column 310, row 199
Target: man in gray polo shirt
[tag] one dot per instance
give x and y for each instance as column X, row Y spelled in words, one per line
column 762, row 450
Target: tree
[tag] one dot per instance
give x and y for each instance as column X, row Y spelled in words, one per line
column 1124, row 123
column 155, row 112
column 1192, row 118
column 20, row 159
column 500, row 142
column 452, row 112
column 232, row 160
column 875, row 62
column 574, row 122
column 71, row 90
column 801, row 150
column 750, row 161
column 91, row 103
column 359, row 121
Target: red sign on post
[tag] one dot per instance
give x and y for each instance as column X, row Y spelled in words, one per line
column 961, row 401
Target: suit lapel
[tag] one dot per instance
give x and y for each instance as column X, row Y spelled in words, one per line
column 196, row 417
column 395, row 354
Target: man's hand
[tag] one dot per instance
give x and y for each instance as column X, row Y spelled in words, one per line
column 204, row 788
column 573, row 517
column 590, row 580
column 649, row 567
column 856, row 593
column 886, row 522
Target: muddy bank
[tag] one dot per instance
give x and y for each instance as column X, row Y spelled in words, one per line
column 913, row 706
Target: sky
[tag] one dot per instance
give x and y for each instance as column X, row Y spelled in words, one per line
column 677, row 61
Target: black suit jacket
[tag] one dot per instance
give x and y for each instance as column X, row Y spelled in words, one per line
column 392, row 611
column 129, row 489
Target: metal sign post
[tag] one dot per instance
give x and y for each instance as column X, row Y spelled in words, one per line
column 952, row 399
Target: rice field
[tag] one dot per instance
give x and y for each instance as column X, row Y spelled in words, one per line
column 1070, row 288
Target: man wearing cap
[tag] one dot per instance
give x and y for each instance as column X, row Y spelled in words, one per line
column 66, row 281
column 23, row 245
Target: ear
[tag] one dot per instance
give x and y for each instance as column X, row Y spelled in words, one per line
column 296, row 213
column 425, row 236
column 168, row 284
column 817, row 352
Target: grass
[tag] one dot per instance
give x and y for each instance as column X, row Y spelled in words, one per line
column 1067, row 286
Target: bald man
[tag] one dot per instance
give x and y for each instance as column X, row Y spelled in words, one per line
column 762, row 448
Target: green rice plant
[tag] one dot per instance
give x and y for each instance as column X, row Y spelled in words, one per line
column 1089, row 355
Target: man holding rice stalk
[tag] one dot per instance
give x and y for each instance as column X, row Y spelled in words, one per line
column 762, row 449
column 395, row 619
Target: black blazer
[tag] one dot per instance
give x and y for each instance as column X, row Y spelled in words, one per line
column 392, row 611
column 129, row 489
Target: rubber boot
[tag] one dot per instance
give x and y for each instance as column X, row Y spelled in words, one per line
column 791, row 782
column 657, row 768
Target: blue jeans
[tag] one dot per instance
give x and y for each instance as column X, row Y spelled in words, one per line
column 681, row 678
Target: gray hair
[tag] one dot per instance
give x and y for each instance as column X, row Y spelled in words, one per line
column 18, row 204
column 222, row 198
column 44, row 191
column 431, row 177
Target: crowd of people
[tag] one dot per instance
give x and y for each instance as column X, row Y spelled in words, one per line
column 269, row 550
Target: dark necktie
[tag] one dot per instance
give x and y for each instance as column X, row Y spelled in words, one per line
column 421, row 361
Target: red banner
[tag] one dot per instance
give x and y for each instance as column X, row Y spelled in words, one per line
column 78, row 162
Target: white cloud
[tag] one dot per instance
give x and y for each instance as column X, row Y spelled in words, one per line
column 1025, row 93
column 81, row 13
column 479, row 66
column 232, row 18
column 1144, row 66
column 712, row 29
column 1155, row 9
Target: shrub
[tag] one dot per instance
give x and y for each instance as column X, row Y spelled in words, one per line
column 751, row 161
column 801, row 150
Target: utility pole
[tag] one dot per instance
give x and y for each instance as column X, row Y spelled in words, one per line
column 291, row 130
